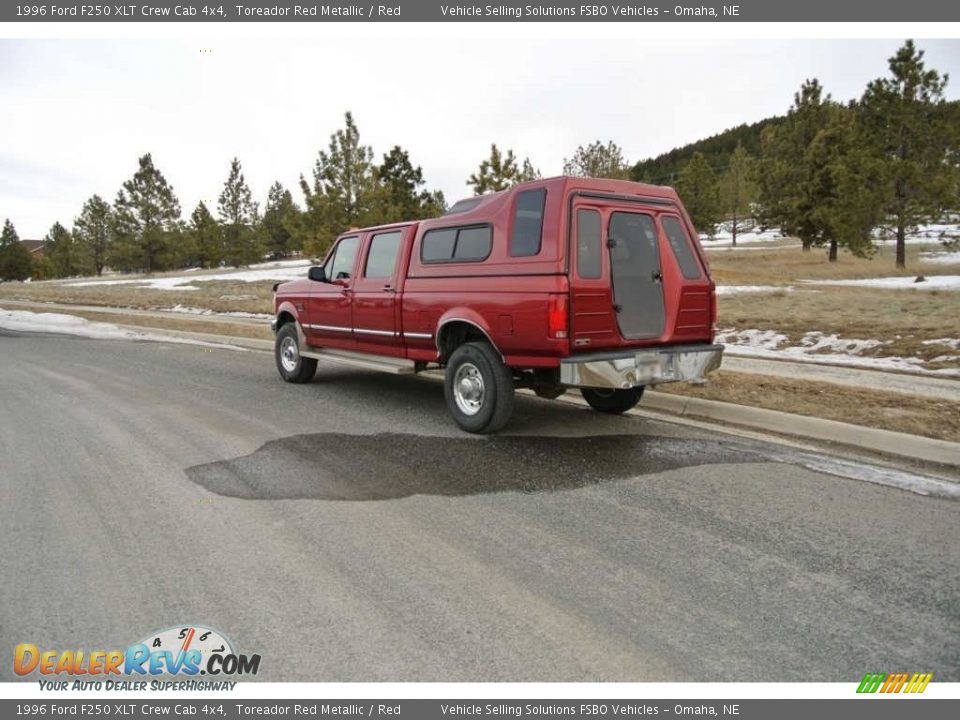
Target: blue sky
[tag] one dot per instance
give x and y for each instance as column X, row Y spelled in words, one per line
column 78, row 113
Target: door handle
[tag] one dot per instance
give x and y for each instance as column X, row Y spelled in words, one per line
column 389, row 289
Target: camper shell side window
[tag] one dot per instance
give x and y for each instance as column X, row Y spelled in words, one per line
column 469, row 243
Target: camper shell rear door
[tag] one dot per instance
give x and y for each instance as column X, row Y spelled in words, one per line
column 631, row 284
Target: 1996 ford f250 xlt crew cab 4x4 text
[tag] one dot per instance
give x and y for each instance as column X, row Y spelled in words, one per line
column 600, row 285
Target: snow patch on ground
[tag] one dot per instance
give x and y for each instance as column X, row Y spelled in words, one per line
column 952, row 343
column 941, row 258
column 301, row 262
column 186, row 310
column 818, row 342
column 185, row 282
column 931, row 233
column 818, row 347
column 932, row 282
column 59, row 324
column 750, row 236
column 743, row 289
column 749, row 233
column 751, row 339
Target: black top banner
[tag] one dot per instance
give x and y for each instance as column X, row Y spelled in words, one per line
column 451, row 11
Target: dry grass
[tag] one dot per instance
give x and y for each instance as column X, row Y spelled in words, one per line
column 872, row 408
column 216, row 295
column 905, row 318
column 788, row 265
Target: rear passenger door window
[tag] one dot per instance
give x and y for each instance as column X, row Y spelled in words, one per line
column 382, row 256
column 679, row 242
column 527, row 223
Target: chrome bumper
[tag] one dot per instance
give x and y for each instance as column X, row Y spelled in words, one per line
column 641, row 367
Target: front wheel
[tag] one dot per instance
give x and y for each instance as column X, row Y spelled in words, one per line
column 613, row 402
column 478, row 388
column 293, row 367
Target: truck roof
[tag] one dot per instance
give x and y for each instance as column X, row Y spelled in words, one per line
column 485, row 205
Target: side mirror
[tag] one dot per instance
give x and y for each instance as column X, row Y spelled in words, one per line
column 317, row 273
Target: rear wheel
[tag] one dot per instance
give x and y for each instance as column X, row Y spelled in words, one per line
column 611, row 401
column 478, row 388
column 293, row 367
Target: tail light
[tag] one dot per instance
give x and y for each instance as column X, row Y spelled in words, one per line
column 557, row 317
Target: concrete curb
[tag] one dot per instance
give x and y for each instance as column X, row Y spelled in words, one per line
column 882, row 441
column 887, row 442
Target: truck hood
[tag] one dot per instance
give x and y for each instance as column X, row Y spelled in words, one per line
column 298, row 286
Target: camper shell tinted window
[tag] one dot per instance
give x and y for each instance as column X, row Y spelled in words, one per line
column 464, row 244
column 527, row 223
column 680, row 245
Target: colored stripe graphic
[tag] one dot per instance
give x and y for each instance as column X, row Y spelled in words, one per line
column 870, row 683
column 894, row 682
column 918, row 683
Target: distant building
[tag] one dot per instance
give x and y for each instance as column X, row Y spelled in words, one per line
column 34, row 246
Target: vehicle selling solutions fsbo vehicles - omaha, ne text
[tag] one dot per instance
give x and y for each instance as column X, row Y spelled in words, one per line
column 566, row 282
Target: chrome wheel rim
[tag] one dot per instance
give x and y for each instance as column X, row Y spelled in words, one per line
column 289, row 354
column 468, row 389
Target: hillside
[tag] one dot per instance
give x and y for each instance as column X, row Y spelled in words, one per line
column 663, row 169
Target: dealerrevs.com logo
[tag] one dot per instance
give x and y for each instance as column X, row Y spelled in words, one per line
column 185, row 651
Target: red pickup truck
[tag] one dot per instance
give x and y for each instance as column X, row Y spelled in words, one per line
column 600, row 285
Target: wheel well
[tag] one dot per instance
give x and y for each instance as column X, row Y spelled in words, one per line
column 456, row 333
column 283, row 318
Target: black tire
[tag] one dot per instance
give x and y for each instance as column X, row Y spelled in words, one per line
column 484, row 407
column 613, row 402
column 294, row 368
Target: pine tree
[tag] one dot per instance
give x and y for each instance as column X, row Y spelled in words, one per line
column 206, row 237
column 597, row 160
column 499, row 172
column 239, row 218
column 15, row 260
column 93, row 232
column 147, row 220
column 738, row 188
column 401, row 195
column 844, row 199
column 276, row 221
column 66, row 256
column 699, row 191
column 784, row 174
column 904, row 118
column 343, row 191
column 527, row 172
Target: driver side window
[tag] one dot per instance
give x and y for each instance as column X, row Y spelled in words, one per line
column 340, row 264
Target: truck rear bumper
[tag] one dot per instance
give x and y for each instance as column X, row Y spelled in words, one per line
column 649, row 366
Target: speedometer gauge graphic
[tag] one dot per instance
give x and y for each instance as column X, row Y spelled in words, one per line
column 199, row 641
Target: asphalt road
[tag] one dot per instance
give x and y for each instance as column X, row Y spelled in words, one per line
column 345, row 530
